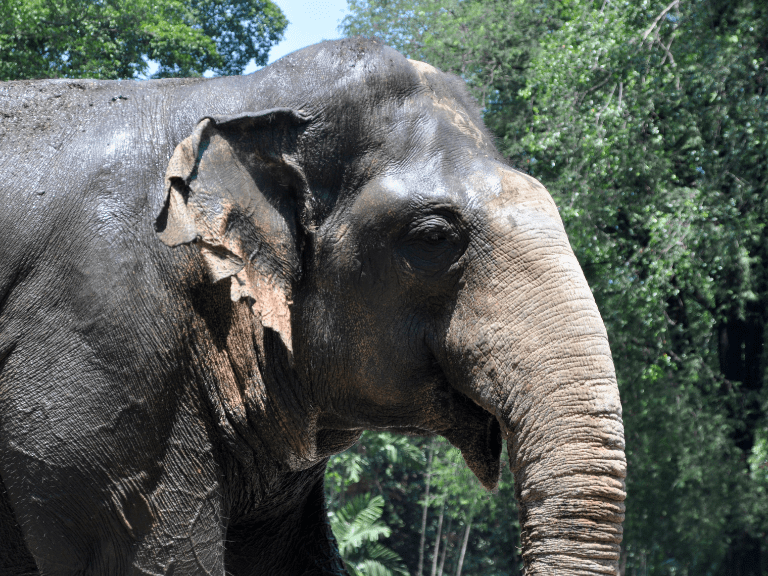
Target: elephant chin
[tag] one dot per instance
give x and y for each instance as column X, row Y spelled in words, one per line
column 477, row 435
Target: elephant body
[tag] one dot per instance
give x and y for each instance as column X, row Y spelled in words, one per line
column 209, row 286
column 113, row 347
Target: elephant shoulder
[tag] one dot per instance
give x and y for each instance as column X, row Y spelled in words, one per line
column 76, row 157
column 80, row 181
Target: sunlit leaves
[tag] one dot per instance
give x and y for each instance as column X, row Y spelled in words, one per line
column 358, row 528
column 643, row 141
column 396, row 467
column 111, row 39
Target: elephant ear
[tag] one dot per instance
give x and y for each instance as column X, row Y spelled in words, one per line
column 235, row 189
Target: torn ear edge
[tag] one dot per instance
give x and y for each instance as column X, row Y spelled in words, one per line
column 175, row 224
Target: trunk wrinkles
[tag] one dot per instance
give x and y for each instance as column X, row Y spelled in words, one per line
column 567, row 455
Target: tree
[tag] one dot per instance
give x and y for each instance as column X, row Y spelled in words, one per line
column 425, row 510
column 396, row 468
column 649, row 128
column 488, row 43
column 465, row 497
column 111, row 39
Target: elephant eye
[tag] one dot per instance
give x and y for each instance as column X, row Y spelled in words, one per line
column 432, row 244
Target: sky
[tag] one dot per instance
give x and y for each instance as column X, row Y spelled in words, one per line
column 310, row 21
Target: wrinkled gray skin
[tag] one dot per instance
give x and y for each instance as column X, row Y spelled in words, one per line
column 207, row 287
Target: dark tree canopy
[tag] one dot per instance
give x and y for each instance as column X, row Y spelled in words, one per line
column 113, row 39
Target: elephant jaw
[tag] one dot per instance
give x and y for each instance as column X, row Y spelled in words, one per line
column 477, row 434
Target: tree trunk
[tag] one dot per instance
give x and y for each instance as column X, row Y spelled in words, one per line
column 437, row 541
column 419, row 570
column 445, row 548
column 464, row 547
column 740, row 348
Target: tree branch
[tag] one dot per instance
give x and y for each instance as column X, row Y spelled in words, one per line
column 659, row 17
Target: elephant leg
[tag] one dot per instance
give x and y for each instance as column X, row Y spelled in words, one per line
column 186, row 537
column 106, row 475
column 185, row 541
column 293, row 540
column 66, row 532
column 78, row 527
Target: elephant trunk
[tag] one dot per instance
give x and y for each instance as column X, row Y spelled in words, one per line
column 533, row 352
column 566, row 449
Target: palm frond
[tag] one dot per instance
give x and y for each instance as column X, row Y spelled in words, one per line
column 358, row 527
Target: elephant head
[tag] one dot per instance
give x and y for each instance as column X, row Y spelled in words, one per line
column 410, row 280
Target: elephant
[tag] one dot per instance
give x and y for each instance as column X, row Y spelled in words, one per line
column 210, row 286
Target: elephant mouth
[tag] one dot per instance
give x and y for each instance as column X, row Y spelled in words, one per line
column 332, row 441
column 470, row 428
column 477, row 434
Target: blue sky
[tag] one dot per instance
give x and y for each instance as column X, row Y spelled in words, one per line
column 310, row 22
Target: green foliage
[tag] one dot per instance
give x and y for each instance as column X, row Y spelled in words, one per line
column 758, row 466
column 396, row 468
column 358, row 522
column 648, row 123
column 358, row 527
column 111, row 39
column 455, row 485
column 489, row 43
column 374, row 460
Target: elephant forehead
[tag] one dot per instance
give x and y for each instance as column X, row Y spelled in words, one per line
column 445, row 103
column 473, row 186
column 467, row 179
column 397, row 199
column 425, row 182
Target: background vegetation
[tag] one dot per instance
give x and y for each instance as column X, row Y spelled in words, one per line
column 648, row 123
column 114, row 39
